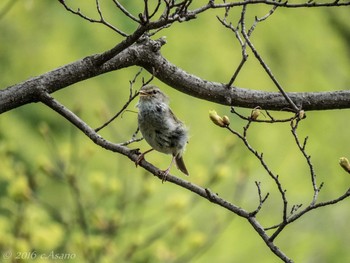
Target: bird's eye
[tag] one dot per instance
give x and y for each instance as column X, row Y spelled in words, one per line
column 154, row 91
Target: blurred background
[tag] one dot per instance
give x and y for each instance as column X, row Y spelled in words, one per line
column 62, row 194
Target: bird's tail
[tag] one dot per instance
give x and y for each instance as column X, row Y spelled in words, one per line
column 180, row 164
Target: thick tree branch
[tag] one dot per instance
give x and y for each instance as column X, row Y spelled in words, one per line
column 137, row 49
column 145, row 53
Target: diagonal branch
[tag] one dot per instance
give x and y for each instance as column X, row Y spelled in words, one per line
column 125, row 11
column 318, row 205
column 246, row 34
column 316, row 189
column 133, row 155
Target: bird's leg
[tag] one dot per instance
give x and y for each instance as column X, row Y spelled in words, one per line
column 166, row 172
column 142, row 157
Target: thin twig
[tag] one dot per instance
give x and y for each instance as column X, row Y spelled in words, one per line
column 118, row 113
column 261, row 199
column 282, row 4
column 146, row 13
column 132, row 96
column 155, row 9
column 316, row 189
column 104, row 22
column 101, row 21
column 246, row 34
column 318, row 205
column 272, row 120
column 260, row 157
column 257, row 20
column 294, row 216
column 126, row 12
column 242, row 43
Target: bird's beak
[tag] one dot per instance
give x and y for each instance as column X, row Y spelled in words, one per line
column 142, row 93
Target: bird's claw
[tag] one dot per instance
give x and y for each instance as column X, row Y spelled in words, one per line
column 135, row 151
column 164, row 175
column 139, row 159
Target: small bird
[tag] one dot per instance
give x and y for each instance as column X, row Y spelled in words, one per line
column 160, row 128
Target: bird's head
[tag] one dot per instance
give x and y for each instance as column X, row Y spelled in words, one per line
column 151, row 92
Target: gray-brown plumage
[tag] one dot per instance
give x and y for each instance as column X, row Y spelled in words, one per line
column 159, row 126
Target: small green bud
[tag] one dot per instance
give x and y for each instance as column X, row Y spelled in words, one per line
column 216, row 119
column 344, row 162
column 301, row 114
column 255, row 114
column 226, row 120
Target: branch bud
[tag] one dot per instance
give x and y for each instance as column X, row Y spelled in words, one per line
column 226, row 120
column 255, row 114
column 216, row 119
column 301, row 115
column 344, row 162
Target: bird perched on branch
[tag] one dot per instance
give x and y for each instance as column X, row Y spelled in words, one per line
column 160, row 128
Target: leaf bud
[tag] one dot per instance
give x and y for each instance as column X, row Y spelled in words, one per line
column 255, row 114
column 226, row 120
column 301, row 115
column 216, row 119
column 344, row 162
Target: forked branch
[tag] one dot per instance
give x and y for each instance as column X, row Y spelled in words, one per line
column 288, row 215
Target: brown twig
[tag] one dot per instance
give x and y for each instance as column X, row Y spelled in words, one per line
column 100, row 21
column 241, row 42
column 246, row 34
column 261, row 200
column 272, row 120
column 282, row 4
column 302, row 146
column 126, row 12
column 132, row 96
column 260, row 157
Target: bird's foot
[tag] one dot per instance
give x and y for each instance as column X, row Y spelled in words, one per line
column 135, row 151
column 141, row 156
column 164, row 174
column 139, row 159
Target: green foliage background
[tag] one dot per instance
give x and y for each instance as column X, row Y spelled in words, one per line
column 61, row 193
